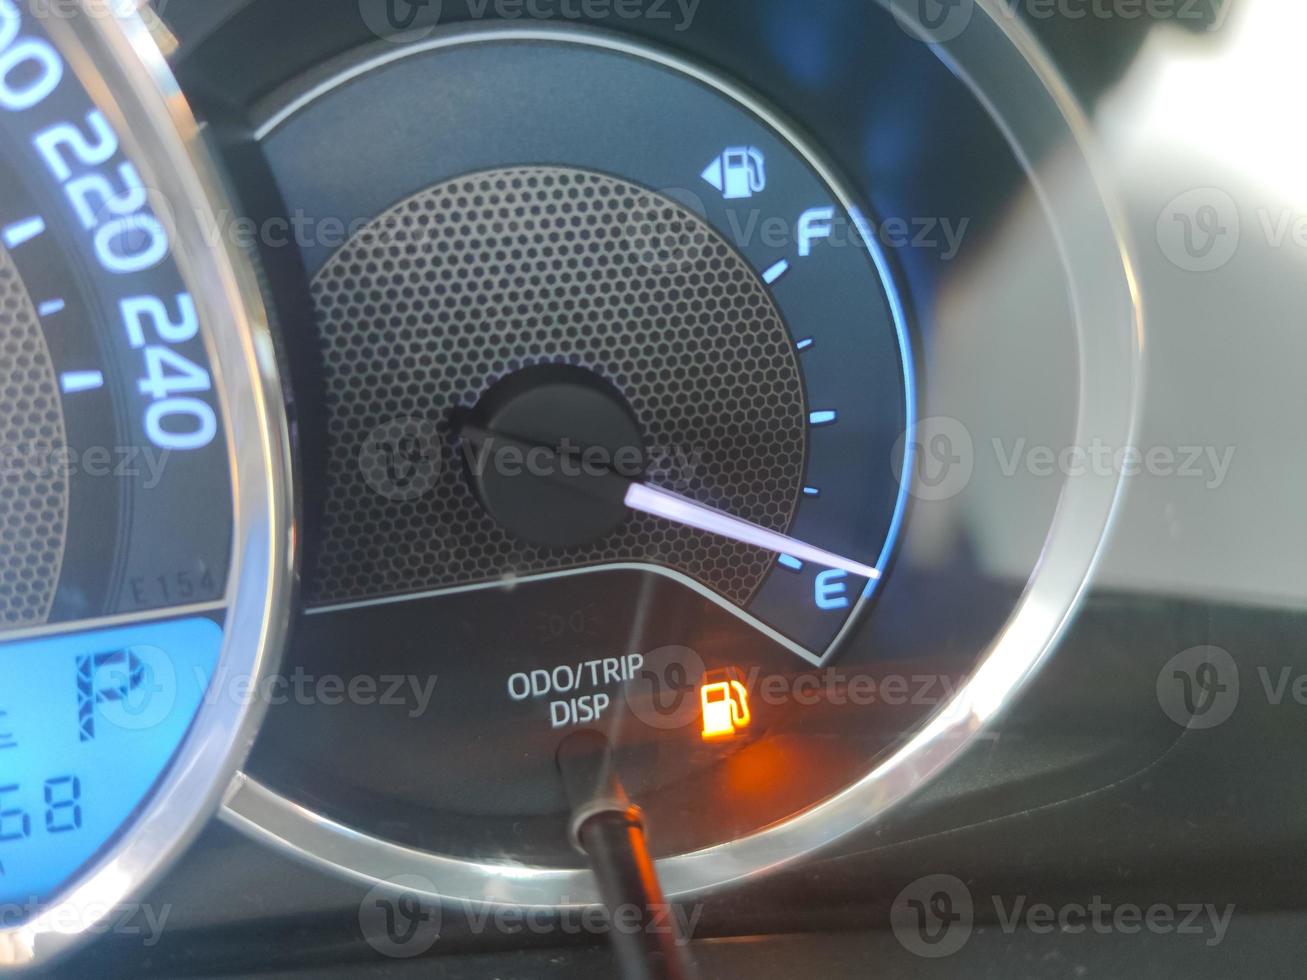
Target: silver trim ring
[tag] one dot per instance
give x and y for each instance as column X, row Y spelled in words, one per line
column 1110, row 345
column 123, row 71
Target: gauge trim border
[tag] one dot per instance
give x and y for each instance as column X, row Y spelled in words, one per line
column 1109, row 330
column 116, row 59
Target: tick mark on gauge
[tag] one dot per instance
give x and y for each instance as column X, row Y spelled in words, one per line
column 23, row 231
column 825, row 417
column 803, row 344
column 50, row 307
column 774, row 272
column 790, row 562
column 72, row 381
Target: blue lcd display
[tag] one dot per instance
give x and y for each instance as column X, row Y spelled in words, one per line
column 88, row 724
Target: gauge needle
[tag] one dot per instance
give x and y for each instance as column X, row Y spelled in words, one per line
column 662, row 503
column 649, row 499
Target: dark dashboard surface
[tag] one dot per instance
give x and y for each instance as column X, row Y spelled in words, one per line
column 1130, row 814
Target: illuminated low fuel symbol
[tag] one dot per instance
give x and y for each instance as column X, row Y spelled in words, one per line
column 725, row 708
column 7, row 739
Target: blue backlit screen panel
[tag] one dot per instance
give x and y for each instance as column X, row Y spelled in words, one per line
column 88, row 724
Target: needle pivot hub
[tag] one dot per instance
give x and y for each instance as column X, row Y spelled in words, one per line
column 550, row 452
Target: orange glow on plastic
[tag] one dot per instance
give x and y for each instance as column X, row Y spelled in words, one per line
column 725, row 708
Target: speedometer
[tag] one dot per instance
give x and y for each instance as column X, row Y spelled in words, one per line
column 144, row 493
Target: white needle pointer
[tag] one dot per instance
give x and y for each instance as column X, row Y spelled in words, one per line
column 673, row 507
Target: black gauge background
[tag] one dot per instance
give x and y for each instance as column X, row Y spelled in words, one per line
column 922, row 147
column 1046, row 808
column 794, row 57
column 95, row 513
column 130, row 541
column 888, row 155
column 887, row 151
column 500, row 779
column 561, row 102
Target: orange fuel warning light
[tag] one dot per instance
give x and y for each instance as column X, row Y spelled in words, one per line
column 725, row 708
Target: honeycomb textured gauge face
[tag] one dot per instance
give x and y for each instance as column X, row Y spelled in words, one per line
column 482, row 276
column 33, row 506
column 558, row 265
column 589, row 241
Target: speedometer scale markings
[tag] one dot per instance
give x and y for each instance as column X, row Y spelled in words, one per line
column 23, row 231
column 129, row 371
column 73, row 381
column 118, row 509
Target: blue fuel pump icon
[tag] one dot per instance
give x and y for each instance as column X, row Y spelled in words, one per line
column 738, row 172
